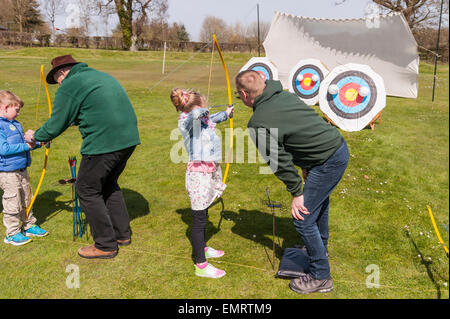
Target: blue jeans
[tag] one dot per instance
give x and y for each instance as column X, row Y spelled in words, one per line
column 321, row 181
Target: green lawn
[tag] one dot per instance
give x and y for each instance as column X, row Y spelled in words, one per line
column 380, row 221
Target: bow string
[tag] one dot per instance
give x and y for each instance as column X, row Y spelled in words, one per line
column 230, row 102
column 47, row 146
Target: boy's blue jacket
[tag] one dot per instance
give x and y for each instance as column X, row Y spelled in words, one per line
column 201, row 142
column 14, row 151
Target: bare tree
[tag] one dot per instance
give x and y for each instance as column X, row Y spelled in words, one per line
column 26, row 14
column 87, row 9
column 133, row 14
column 52, row 9
column 252, row 31
column 237, row 33
column 6, row 14
column 418, row 13
column 215, row 25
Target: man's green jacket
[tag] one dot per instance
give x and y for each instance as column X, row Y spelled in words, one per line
column 302, row 137
column 100, row 106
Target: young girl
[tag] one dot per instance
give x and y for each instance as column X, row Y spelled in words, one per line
column 14, row 180
column 203, row 174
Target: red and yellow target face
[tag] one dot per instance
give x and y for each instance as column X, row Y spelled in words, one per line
column 307, row 83
column 349, row 96
column 348, row 103
column 307, row 88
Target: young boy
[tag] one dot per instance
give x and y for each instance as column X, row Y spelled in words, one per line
column 14, row 180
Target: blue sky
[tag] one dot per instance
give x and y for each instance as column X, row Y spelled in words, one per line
column 192, row 12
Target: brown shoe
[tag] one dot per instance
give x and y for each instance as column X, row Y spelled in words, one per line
column 124, row 242
column 93, row 252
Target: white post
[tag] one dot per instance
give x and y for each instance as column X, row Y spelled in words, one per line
column 164, row 57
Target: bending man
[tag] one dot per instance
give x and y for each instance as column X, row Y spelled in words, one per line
column 299, row 137
column 97, row 103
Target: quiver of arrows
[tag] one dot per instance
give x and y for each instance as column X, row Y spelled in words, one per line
column 79, row 222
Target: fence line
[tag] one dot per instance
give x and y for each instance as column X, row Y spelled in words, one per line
column 8, row 38
column 13, row 39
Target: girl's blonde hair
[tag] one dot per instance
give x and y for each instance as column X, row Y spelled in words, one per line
column 185, row 100
column 10, row 99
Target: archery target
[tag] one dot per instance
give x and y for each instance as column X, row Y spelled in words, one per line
column 352, row 95
column 263, row 66
column 305, row 79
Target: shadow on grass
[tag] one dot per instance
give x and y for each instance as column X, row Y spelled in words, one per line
column 253, row 225
column 46, row 206
column 186, row 217
column 136, row 203
column 257, row 226
column 426, row 263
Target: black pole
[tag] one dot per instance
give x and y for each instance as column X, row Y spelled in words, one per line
column 437, row 50
column 259, row 52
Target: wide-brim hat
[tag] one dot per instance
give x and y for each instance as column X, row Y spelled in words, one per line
column 59, row 63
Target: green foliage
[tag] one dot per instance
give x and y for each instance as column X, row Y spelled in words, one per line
column 378, row 211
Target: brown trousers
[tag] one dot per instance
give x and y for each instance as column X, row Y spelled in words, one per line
column 16, row 197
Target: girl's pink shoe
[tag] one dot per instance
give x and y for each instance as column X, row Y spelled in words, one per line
column 209, row 271
column 213, row 253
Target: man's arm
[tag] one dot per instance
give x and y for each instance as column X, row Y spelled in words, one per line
column 65, row 112
column 279, row 160
column 281, row 163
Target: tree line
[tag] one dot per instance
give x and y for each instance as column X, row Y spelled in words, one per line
column 141, row 21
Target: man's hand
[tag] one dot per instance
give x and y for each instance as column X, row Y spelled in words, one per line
column 298, row 206
column 29, row 137
column 47, row 144
column 31, row 145
column 230, row 111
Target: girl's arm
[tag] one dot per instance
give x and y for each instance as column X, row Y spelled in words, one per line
column 219, row 117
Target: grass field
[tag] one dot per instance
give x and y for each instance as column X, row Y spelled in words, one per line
column 380, row 221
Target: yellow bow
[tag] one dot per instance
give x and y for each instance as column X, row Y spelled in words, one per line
column 47, row 149
column 436, row 230
column 230, row 102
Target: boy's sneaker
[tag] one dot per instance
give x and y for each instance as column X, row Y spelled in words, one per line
column 213, row 253
column 307, row 284
column 35, row 230
column 17, row 240
column 209, row 271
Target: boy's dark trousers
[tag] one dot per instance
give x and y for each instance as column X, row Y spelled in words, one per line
column 101, row 198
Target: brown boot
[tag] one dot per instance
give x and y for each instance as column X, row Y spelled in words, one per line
column 93, row 252
column 123, row 242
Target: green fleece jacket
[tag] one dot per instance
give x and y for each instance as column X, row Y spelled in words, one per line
column 99, row 105
column 303, row 138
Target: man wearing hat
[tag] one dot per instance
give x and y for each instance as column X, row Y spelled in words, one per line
column 98, row 104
